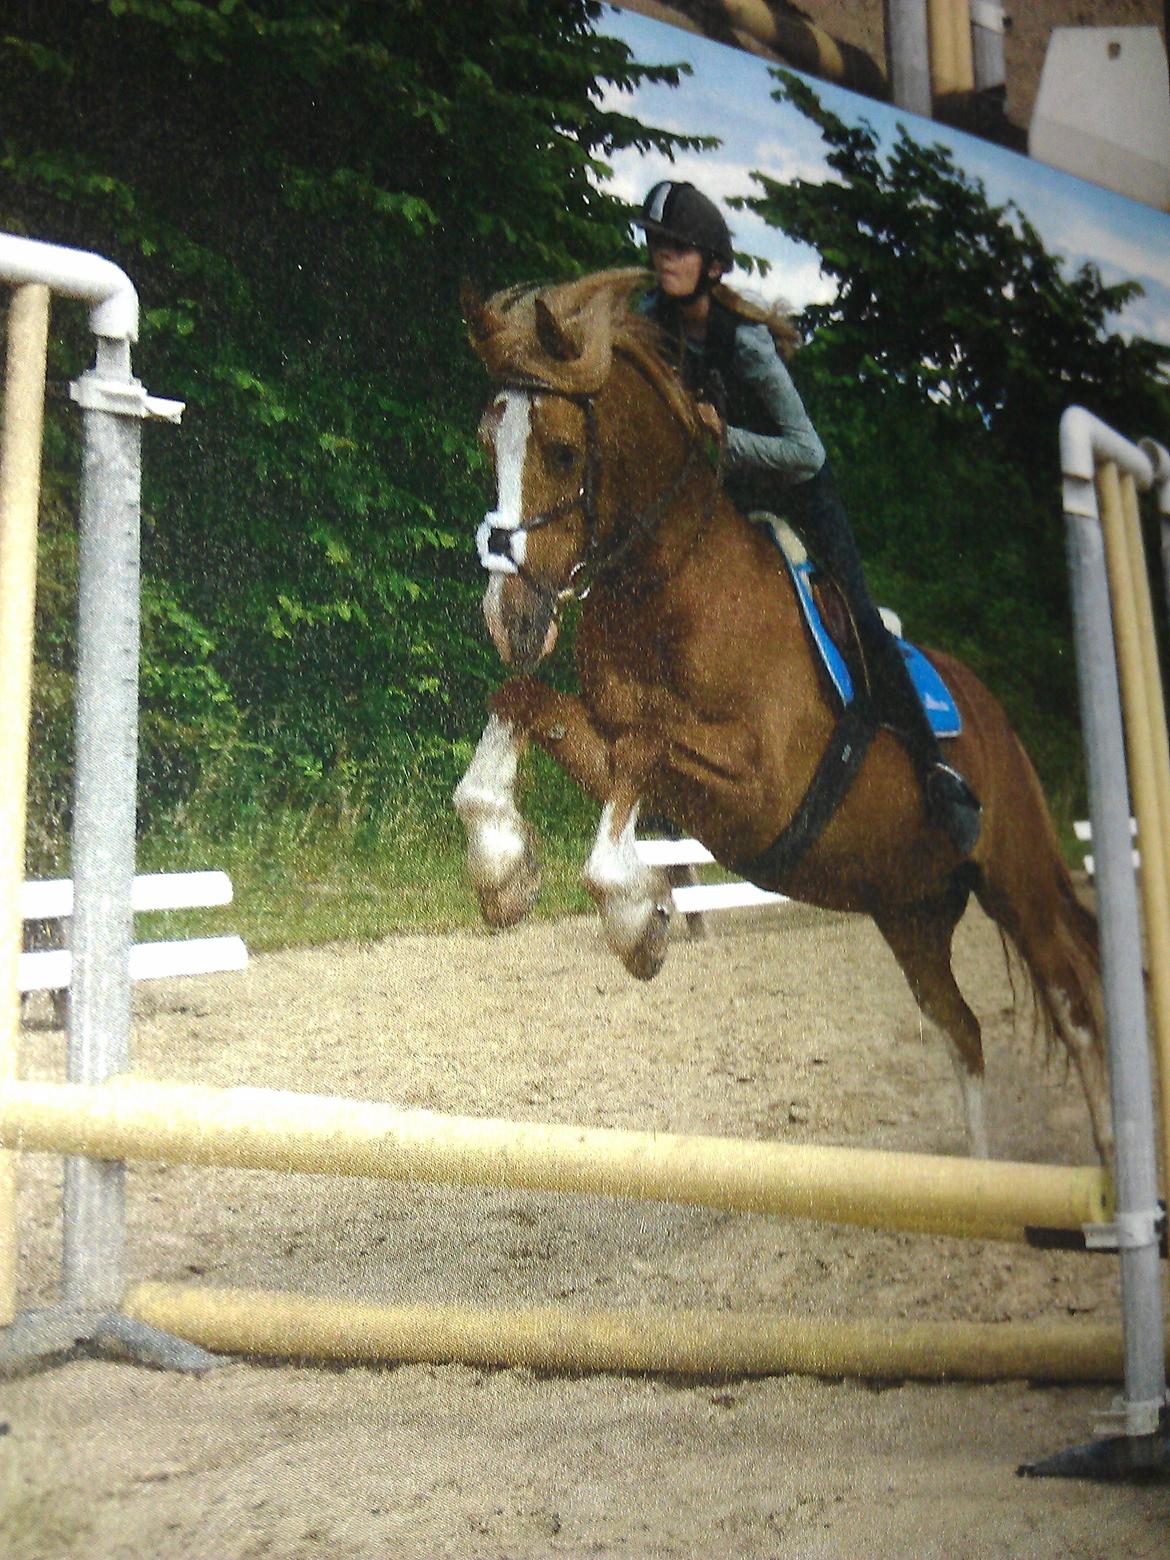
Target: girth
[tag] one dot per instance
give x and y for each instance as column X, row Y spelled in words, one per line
column 834, row 774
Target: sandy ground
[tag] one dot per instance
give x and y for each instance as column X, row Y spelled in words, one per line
column 792, row 1025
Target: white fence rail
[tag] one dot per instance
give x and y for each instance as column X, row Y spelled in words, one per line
column 1084, row 832
column 50, row 969
column 696, row 898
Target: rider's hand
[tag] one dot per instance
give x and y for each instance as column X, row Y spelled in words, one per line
column 710, row 419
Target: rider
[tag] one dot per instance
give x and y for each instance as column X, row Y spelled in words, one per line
column 733, row 352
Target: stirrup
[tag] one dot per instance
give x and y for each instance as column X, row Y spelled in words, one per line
column 953, row 806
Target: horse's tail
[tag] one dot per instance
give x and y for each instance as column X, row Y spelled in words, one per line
column 1028, row 890
column 1064, row 969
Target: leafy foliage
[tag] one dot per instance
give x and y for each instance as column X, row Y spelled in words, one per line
column 297, row 188
column 943, row 292
column 937, row 376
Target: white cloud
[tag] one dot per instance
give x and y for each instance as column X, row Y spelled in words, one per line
column 786, row 161
column 716, row 175
column 1148, row 317
column 1127, row 255
column 803, row 282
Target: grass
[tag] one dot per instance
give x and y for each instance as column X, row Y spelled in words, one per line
column 326, row 876
column 328, row 873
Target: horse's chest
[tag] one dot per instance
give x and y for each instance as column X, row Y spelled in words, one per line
column 619, row 704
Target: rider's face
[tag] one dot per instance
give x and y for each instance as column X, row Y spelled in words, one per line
column 677, row 267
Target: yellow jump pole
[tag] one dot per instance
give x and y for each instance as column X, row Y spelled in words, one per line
column 267, row 1129
column 952, row 62
column 284, row 1326
column 20, row 479
column 1160, row 745
column 1126, row 568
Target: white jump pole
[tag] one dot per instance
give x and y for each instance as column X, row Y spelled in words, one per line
column 20, row 477
column 1160, row 460
column 987, row 51
column 1136, row 1441
column 908, row 54
column 114, row 405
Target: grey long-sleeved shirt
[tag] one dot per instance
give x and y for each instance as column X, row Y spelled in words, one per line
column 787, row 449
column 794, row 452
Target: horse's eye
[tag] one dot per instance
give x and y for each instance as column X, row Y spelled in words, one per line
column 562, row 457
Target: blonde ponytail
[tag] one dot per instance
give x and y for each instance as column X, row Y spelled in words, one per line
column 777, row 317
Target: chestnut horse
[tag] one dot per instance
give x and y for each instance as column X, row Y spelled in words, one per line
column 699, row 696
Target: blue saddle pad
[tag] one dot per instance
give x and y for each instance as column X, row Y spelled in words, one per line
column 940, row 707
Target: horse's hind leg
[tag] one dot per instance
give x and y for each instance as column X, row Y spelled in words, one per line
column 920, row 938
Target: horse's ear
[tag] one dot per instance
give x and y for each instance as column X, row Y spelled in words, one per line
column 553, row 336
column 480, row 320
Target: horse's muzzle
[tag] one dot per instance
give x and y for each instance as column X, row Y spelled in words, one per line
column 522, row 625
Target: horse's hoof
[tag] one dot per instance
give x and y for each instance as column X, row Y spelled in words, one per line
column 646, row 956
column 506, row 903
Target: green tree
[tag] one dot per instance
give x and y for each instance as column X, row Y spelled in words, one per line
column 298, row 187
column 937, row 375
column 958, row 299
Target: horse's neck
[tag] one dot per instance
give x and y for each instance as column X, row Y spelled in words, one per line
column 717, row 578
column 659, row 493
column 699, row 559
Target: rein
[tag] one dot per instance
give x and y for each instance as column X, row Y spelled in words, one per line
column 497, row 544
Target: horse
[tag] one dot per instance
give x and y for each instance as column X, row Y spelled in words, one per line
column 699, row 698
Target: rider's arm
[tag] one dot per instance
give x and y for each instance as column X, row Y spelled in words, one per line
column 792, row 453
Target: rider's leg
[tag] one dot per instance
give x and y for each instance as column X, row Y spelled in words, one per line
column 950, row 801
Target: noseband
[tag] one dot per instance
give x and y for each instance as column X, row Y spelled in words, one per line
column 503, row 548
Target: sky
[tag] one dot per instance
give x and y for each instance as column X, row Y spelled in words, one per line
column 729, row 95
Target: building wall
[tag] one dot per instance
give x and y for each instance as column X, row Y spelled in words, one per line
column 861, row 23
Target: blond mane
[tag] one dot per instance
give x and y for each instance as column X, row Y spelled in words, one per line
column 565, row 336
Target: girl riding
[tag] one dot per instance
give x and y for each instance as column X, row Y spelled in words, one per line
column 733, row 354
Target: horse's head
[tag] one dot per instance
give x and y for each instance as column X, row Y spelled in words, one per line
column 551, row 353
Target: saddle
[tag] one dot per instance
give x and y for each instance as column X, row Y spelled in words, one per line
column 835, row 642
column 838, row 652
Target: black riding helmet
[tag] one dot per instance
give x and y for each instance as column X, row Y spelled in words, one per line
column 684, row 214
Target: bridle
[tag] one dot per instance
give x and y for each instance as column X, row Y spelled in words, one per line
column 503, row 548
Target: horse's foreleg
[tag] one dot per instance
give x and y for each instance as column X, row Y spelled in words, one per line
column 500, row 857
column 634, row 899
column 500, row 854
column 560, row 724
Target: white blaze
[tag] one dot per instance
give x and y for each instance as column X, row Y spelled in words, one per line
column 511, row 443
column 511, row 447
